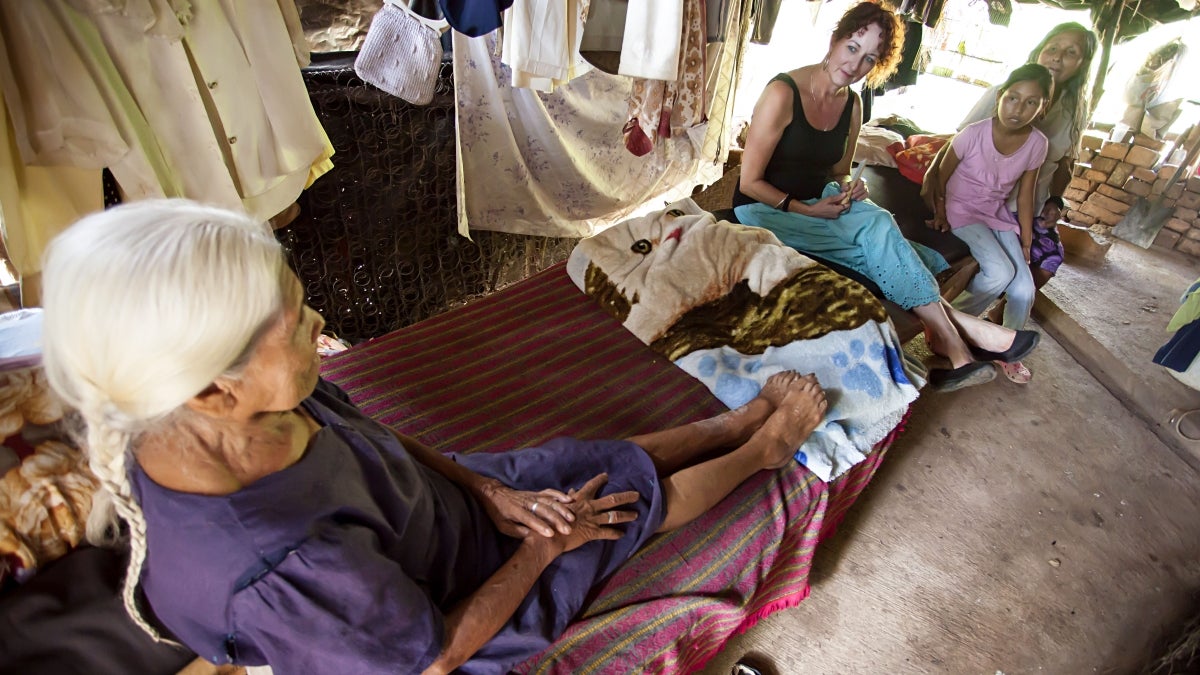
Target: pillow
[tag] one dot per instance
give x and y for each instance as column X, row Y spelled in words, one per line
column 45, row 499
column 872, row 146
column 915, row 155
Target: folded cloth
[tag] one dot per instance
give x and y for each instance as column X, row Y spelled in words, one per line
column 732, row 305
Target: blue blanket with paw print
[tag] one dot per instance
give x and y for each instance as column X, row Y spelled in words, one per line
column 731, row 305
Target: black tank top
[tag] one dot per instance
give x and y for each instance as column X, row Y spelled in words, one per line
column 804, row 155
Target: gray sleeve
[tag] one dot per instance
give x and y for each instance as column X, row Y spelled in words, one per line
column 984, row 108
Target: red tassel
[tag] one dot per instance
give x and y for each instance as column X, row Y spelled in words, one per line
column 636, row 140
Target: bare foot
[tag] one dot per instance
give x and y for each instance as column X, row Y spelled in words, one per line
column 748, row 418
column 801, row 410
column 777, row 386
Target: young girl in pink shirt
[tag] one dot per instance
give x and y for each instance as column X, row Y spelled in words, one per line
column 986, row 163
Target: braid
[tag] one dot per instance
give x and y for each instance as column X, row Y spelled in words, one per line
column 199, row 283
column 108, row 448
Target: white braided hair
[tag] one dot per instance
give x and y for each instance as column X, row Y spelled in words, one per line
column 145, row 305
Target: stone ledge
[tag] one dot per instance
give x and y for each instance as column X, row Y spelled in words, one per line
column 1157, row 401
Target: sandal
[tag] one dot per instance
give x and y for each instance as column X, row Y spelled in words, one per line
column 1016, row 372
column 950, row 379
column 1023, row 343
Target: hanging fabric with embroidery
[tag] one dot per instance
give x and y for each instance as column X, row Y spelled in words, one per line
column 659, row 107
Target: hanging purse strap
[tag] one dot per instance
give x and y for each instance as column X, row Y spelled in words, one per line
column 438, row 25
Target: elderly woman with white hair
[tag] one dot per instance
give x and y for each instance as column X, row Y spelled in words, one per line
column 271, row 523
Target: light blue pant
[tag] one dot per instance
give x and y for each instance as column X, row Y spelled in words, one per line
column 1002, row 271
column 865, row 239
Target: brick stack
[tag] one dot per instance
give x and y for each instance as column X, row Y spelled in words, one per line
column 1113, row 174
column 1182, row 230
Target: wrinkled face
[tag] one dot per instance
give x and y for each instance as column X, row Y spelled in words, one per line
column 284, row 365
column 1063, row 55
column 851, row 58
column 1020, row 104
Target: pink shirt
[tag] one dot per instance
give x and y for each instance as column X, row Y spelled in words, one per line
column 979, row 187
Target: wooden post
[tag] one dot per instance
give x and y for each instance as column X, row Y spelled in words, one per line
column 1106, row 17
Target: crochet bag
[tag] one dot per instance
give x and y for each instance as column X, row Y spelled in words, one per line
column 402, row 53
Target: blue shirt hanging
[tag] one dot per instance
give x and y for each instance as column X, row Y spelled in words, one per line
column 474, row 18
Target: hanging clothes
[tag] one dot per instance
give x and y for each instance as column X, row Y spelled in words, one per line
column 1181, row 350
column 474, row 18
column 766, row 13
column 551, row 164
column 658, row 108
column 38, row 202
column 178, row 98
column 542, row 41
column 1189, row 308
column 716, row 13
column 653, row 37
column 928, row 12
column 999, row 12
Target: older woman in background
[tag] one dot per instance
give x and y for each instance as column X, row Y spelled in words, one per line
column 1067, row 52
column 794, row 182
column 272, row 523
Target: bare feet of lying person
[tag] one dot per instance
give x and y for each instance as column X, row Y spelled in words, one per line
column 750, row 417
column 798, row 414
column 777, row 386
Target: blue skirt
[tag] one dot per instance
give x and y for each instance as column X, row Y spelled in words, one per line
column 865, row 239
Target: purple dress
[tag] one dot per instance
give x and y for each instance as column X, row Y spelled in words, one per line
column 348, row 560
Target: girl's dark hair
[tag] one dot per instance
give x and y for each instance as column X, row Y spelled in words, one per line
column 1056, row 201
column 1031, row 72
column 1074, row 94
column 891, row 40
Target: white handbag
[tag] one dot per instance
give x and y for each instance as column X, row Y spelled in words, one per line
column 402, row 52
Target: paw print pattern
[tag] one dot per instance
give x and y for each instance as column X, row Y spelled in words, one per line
column 731, row 386
column 859, row 375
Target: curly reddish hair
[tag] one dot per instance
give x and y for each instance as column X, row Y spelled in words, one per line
column 891, row 42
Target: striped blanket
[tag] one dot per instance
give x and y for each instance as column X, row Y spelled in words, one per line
column 538, row 360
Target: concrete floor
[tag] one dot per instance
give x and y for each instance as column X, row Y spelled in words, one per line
column 1049, row 528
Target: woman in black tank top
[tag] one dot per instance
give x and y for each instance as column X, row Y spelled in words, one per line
column 795, row 182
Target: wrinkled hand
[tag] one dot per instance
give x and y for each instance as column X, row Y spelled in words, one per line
column 830, row 207
column 518, row 513
column 595, row 518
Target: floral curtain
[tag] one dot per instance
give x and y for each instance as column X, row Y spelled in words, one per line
column 555, row 164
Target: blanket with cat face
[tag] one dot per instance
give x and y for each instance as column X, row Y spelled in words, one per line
column 731, row 305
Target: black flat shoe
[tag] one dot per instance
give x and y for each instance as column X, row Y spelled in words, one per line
column 950, row 379
column 1022, row 344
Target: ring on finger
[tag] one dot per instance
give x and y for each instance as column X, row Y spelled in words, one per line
column 534, row 506
column 610, row 517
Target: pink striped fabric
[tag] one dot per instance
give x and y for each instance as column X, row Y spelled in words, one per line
column 538, row 360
